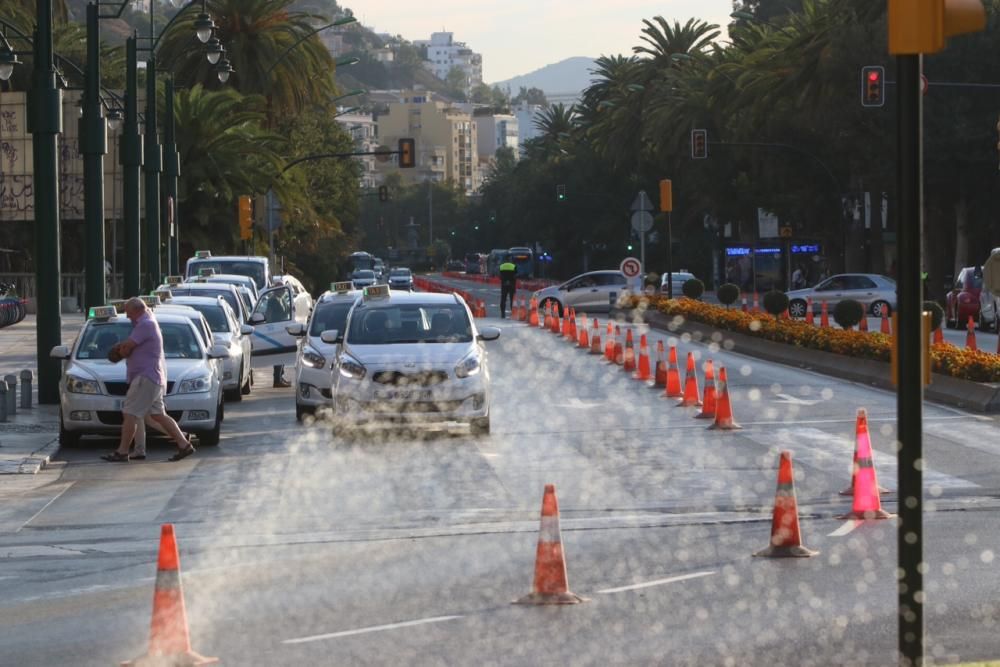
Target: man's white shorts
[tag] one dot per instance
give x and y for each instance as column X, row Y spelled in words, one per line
column 144, row 397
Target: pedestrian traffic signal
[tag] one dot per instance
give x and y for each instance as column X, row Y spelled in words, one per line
column 407, row 154
column 560, row 192
column 383, row 193
column 872, row 86
column 245, row 208
column 699, row 144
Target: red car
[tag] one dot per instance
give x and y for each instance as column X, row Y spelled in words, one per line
column 962, row 301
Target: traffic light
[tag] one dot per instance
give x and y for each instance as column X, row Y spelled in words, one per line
column 922, row 27
column 245, row 208
column 872, row 86
column 383, row 193
column 699, row 144
column 407, row 154
column 560, row 192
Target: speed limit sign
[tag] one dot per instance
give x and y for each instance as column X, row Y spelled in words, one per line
column 630, row 267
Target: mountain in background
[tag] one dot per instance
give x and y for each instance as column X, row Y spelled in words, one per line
column 572, row 76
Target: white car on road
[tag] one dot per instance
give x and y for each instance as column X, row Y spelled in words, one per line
column 588, row 292
column 277, row 308
column 92, row 389
column 412, row 356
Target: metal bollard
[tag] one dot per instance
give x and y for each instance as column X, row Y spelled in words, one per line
column 11, row 381
column 3, row 400
column 26, row 378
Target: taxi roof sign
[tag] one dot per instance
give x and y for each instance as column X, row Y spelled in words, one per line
column 202, row 254
column 164, row 294
column 376, row 292
column 151, row 300
column 342, row 287
column 118, row 305
column 208, row 271
column 174, row 280
column 101, row 313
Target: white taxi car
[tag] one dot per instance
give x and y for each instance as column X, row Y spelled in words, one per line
column 319, row 340
column 227, row 331
column 277, row 308
column 92, row 389
column 412, row 356
column 229, row 292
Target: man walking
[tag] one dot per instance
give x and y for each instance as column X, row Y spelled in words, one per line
column 147, row 382
column 508, row 285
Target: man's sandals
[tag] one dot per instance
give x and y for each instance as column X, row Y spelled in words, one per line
column 183, row 453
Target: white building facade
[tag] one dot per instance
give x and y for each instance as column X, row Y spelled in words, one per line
column 444, row 53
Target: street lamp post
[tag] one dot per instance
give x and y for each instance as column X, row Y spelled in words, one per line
column 130, row 158
column 171, row 171
column 93, row 142
column 151, row 166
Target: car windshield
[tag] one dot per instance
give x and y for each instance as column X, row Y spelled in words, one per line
column 399, row 273
column 329, row 316
column 215, row 315
column 364, row 275
column 179, row 340
column 253, row 270
column 410, row 323
column 225, row 294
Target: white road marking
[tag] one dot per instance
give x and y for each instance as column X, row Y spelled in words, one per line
column 45, row 507
column 657, row 582
column 795, row 400
column 846, row 528
column 374, row 628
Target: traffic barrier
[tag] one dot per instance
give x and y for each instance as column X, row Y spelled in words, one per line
column 824, row 316
column 673, row 386
column 26, row 378
column 628, row 363
column 708, row 404
column 970, row 334
column 809, row 311
column 886, row 328
column 551, row 583
column 723, row 407
column 786, row 540
column 863, row 323
column 691, row 399
column 169, row 640
column 660, row 371
column 595, row 339
column 642, row 371
column 609, row 344
column 533, row 315
column 849, row 491
column 583, row 340
column 619, row 357
column 867, row 504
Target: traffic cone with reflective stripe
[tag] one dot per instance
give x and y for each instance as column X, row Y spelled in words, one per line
column 523, row 315
column 584, row 340
column 169, row 641
column 548, row 315
column 938, row 336
column 886, row 329
column 609, row 344
column 756, row 303
column 619, row 351
column 673, row 388
column 628, row 363
column 691, row 399
column 824, row 316
column 567, row 312
column 786, row 541
column 863, row 323
column 708, row 405
column 660, row 372
column 723, row 407
column 642, row 372
column 571, row 329
column 849, row 491
column 551, row 583
column 809, row 311
column 744, row 306
column 867, row 503
column 556, row 324
column 533, row 315
column 595, row 339
column 970, row 334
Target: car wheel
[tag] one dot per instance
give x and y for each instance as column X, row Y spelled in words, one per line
column 302, row 410
column 881, row 308
column 235, row 395
column 480, row 425
column 67, row 438
column 797, row 308
column 248, row 385
column 555, row 305
column 211, row 438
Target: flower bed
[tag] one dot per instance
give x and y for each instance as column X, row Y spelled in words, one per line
column 975, row 365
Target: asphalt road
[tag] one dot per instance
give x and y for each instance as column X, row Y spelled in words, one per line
column 299, row 546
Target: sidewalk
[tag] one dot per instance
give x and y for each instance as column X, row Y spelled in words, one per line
column 30, row 438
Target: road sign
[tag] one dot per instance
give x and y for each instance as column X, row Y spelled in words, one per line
column 630, row 267
column 642, row 221
column 785, row 232
column 642, row 202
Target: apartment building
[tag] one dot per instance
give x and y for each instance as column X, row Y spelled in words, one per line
column 364, row 132
column 497, row 131
column 526, row 115
column 444, row 53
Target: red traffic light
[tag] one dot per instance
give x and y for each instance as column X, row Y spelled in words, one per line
column 699, row 144
column 873, row 88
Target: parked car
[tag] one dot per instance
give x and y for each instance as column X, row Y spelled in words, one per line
column 989, row 295
column 877, row 293
column 962, row 300
column 588, row 292
column 678, row 278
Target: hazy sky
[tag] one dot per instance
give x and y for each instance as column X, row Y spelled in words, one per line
column 519, row 36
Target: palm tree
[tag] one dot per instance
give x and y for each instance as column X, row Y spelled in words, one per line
column 556, row 124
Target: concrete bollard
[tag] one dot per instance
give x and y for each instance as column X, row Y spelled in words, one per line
column 3, row 400
column 11, row 381
column 26, row 378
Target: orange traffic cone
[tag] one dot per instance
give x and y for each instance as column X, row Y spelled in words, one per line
column 533, row 315
column 744, row 307
column 708, row 406
column 723, row 408
column 523, row 315
column 863, row 323
column 660, row 372
column 584, row 338
column 824, row 316
column 867, row 504
column 642, row 369
column 849, row 491
column 673, row 388
column 169, row 641
column 595, row 339
column 609, row 344
column 556, row 324
column 886, row 329
column 551, row 585
column 970, row 334
column 548, row 315
column 785, row 539
column 619, row 350
column 939, row 336
column 691, row 398
column 809, row 310
column 565, row 321
column 756, row 303
column 571, row 329
column 628, row 362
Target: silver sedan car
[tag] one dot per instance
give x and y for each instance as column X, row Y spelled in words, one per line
column 875, row 292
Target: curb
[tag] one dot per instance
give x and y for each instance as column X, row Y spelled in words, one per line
column 33, row 462
column 965, row 394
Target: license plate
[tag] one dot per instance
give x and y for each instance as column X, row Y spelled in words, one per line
column 118, row 404
column 403, row 394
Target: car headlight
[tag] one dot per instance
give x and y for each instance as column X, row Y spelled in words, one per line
column 352, row 368
column 312, row 358
column 195, row 385
column 79, row 385
column 468, row 366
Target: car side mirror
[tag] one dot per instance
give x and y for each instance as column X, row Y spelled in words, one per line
column 296, row 329
column 218, row 352
column 258, row 318
column 59, row 352
column 331, row 337
column 246, row 329
column 488, row 333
